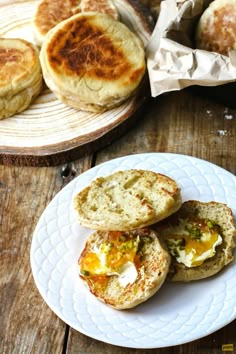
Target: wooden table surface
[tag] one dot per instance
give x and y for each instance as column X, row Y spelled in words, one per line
column 179, row 122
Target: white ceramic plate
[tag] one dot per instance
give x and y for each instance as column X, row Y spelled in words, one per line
column 178, row 313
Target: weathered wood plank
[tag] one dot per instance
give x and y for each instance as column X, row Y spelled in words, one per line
column 27, row 324
column 182, row 123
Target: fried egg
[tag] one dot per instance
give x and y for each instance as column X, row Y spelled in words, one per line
column 194, row 241
column 116, row 256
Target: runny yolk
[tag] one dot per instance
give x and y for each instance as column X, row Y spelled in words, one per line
column 90, row 261
column 200, row 247
column 198, row 241
column 117, row 250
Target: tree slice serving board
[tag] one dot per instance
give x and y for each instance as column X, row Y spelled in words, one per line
column 49, row 132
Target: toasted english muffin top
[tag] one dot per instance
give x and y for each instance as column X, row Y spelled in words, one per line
column 127, row 200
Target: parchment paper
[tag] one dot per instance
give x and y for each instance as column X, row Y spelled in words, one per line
column 173, row 62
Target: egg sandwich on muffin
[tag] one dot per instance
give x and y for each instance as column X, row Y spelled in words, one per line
column 124, row 268
column 200, row 239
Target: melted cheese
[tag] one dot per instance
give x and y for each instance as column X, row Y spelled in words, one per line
column 194, row 242
column 117, row 256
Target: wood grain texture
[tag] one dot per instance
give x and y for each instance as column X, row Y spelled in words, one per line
column 27, row 325
column 50, row 132
column 71, row 150
column 183, row 123
column 180, row 122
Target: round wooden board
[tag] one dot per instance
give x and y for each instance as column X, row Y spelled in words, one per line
column 49, row 132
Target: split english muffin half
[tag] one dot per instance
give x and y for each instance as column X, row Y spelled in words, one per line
column 200, row 238
column 92, row 62
column 124, row 269
column 127, row 200
column 20, row 75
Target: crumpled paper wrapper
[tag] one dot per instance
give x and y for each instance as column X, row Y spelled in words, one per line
column 172, row 61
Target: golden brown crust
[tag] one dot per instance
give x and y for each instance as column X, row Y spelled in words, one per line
column 50, row 12
column 9, row 58
column 216, row 30
column 18, row 60
column 151, row 261
column 92, row 61
column 103, row 6
column 222, row 215
column 20, row 75
column 83, row 47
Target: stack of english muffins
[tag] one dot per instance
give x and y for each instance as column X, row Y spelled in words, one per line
column 144, row 235
column 92, row 62
column 88, row 58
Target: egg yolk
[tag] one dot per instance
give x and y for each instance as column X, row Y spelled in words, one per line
column 116, row 251
column 196, row 242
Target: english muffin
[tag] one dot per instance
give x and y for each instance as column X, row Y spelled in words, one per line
column 216, row 29
column 20, row 75
column 103, row 6
column 124, row 269
column 200, row 239
column 127, row 200
column 92, row 62
column 51, row 12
